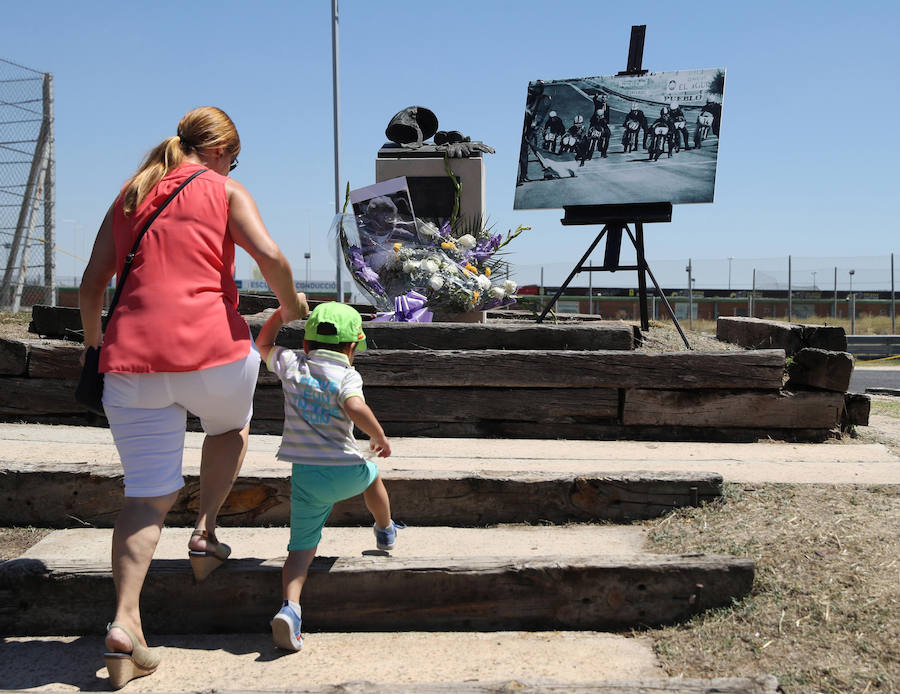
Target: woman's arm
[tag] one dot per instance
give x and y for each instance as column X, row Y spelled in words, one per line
column 248, row 231
column 99, row 271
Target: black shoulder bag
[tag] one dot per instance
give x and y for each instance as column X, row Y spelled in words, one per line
column 90, row 386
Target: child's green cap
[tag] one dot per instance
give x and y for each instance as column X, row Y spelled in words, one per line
column 333, row 323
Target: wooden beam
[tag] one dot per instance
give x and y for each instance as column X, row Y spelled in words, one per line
column 784, row 410
column 425, row 404
column 382, row 593
column 70, row 495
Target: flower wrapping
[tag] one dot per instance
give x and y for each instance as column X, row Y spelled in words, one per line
column 411, row 267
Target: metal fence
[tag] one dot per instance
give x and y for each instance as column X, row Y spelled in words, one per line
column 27, row 187
column 857, row 274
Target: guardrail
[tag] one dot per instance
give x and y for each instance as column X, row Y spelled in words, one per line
column 873, row 346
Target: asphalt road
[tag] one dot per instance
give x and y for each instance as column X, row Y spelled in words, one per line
column 874, row 377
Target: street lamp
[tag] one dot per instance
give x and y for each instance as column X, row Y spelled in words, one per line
column 730, row 258
column 814, row 280
column 306, row 257
column 852, row 306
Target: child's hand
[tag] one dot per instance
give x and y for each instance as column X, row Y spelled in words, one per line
column 304, row 306
column 380, row 447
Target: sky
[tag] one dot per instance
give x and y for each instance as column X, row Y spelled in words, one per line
column 808, row 166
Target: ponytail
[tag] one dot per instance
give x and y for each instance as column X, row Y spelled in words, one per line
column 166, row 156
column 201, row 129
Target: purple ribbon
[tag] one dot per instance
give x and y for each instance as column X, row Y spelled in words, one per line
column 408, row 308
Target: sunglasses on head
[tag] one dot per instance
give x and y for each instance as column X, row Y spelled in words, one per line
column 233, row 165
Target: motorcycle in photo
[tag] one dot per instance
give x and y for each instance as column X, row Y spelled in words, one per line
column 630, row 137
column 704, row 123
column 659, row 133
column 679, row 132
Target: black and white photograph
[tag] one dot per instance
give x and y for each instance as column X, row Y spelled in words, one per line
column 384, row 215
column 621, row 139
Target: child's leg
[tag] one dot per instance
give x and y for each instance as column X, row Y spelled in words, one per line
column 294, row 573
column 378, row 503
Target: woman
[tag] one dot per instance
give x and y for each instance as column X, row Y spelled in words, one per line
column 176, row 342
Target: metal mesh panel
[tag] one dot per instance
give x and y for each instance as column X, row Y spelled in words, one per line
column 26, row 187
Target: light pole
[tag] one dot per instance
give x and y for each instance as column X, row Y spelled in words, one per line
column 852, row 305
column 730, row 258
column 814, row 280
column 306, row 257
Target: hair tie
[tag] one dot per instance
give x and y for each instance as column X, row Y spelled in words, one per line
column 184, row 142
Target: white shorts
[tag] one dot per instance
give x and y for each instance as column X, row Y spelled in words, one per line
column 147, row 414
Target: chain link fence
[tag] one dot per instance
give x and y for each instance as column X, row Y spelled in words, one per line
column 27, row 184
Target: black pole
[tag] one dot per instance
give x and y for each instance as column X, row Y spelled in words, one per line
column 642, row 276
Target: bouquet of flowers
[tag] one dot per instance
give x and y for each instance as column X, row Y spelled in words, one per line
column 410, row 266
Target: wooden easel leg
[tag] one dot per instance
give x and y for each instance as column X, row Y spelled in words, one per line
column 572, row 274
column 642, row 276
column 658, row 290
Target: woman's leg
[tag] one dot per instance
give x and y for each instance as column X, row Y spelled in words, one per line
column 220, row 464
column 134, row 541
column 378, row 503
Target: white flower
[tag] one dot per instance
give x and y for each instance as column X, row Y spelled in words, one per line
column 429, row 266
column 435, row 282
column 427, row 230
column 410, row 266
column 510, row 286
column 498, row 292
column 483, row 282
column 466, row 241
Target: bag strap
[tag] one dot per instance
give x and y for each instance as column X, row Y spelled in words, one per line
column 129, row 259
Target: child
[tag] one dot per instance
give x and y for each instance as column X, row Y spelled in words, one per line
column 323, row 399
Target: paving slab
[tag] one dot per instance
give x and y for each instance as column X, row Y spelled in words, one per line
column 511, row 541
column 764, row 461
column 249, row 662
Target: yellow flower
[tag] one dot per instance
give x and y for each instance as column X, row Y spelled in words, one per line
column 397, row 247
column 448, row 245
column 487, row 272
column 475, row 296
column 471, row 268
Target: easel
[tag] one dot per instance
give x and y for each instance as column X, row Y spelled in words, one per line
column 616, row 218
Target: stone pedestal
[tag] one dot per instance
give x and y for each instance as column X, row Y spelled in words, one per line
column 430, row 188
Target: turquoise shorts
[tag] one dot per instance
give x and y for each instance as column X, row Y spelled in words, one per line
column 315, row 489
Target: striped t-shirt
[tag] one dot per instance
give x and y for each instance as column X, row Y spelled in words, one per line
column 317, row 431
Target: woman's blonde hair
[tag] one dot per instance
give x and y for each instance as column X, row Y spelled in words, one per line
column 201, row 129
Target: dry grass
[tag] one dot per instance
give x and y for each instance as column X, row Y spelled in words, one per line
column 15, row 325
column 823, row 613
column 14, row 541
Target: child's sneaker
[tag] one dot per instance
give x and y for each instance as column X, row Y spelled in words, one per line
column 286, row 628
column 385, row 539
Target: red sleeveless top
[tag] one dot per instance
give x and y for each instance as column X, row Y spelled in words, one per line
column 178, row 309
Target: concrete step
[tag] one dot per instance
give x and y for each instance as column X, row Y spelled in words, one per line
column 532, row 578
column 368, row 663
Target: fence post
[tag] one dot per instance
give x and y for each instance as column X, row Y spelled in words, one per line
column 790, row 307
column 50, row 197
column 893, row 312
column 834, row 304
column 752, row 295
